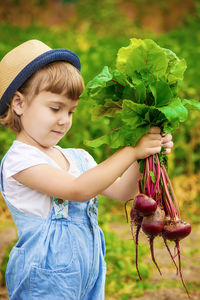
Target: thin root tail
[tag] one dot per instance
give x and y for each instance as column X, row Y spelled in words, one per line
column 152, row 254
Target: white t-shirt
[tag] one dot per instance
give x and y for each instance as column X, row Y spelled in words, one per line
column 21, row 156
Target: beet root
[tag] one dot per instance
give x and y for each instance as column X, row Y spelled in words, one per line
column 176, row 230
column 152, row 253
column 153, row 225
column 145, row 205
column 136, row 244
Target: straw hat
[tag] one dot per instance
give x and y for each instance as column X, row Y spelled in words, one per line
column 21, row 62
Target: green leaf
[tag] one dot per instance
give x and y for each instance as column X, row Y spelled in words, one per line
column 136, row 115
column 105, row 85
column 109, row 109
column 136, row 78
column 175, row 111
column 152, row 176
column 161, row 92
column 141, row 163
column 101, row 79
column 112, row 138
column 176, row 67
column 191, row 104
column 129, row 92
column 155, row 117
column 131, row 137
column 124, row 53
column 140, row 93
column 170, row 127
column 133, row 113
column 140, row 55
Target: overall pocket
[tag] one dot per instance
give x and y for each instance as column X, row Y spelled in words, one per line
column 15, row 269
column 55, row 284
column 56, row 274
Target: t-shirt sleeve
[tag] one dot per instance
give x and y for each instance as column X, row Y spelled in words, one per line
column 21, row 158
column 89, row 159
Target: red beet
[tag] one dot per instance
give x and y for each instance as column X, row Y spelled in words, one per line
column 146, row 205
column 136, row 219
column 153, row 225
column 176, row 230
column 136, row 216
column 156, row 211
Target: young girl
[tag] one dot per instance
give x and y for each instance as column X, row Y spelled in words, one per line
column 52, row 192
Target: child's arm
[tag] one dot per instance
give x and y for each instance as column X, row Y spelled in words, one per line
column 58, row 183
column 125, row 187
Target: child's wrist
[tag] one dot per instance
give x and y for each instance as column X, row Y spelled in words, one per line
column 132, row 151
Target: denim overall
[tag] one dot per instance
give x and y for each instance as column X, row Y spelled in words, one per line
column 61, row 257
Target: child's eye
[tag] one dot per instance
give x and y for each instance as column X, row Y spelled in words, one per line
column 55, row 108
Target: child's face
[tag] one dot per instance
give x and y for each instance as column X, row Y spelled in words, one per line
column 47, row 119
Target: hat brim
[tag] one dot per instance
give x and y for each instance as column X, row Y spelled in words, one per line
column 32, row 67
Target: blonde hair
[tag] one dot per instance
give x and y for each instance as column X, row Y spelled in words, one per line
column 58, row 77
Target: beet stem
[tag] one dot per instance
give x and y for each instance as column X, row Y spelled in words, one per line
column 165, row 204
column 152, row 254
column 172, row 191
column 180, row 271
column 154, row 172
column 118, row 83
column 157, row 176
column 145, row 176
column 151, row 164
column 168, row 197
column 140, row 186
column 148, row 177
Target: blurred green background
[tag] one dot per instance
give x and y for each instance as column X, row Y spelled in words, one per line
column 95, row 30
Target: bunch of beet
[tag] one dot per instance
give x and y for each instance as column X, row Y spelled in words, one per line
column 156, row 212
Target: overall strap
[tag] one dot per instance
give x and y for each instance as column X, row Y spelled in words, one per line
column 2, row 183
column 92, row 206
column 80, row 159
column 61, row 206
column 1, row 173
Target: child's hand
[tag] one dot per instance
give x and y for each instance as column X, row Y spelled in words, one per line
column 150, row 143
column 166, row 142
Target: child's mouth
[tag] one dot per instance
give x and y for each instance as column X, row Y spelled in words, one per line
column 58, row 132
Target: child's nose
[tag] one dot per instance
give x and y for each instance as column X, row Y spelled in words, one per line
column 64, row 119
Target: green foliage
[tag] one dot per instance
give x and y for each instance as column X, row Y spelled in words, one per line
column 6, row 139
column 4, row 263
column 148, row 76
column 122, row 277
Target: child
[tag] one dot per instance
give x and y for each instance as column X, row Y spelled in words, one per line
column 52, row 192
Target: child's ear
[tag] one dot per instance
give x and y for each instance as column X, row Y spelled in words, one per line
column 18, row 103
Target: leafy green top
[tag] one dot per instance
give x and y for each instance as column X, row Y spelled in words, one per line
column 142, row 92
